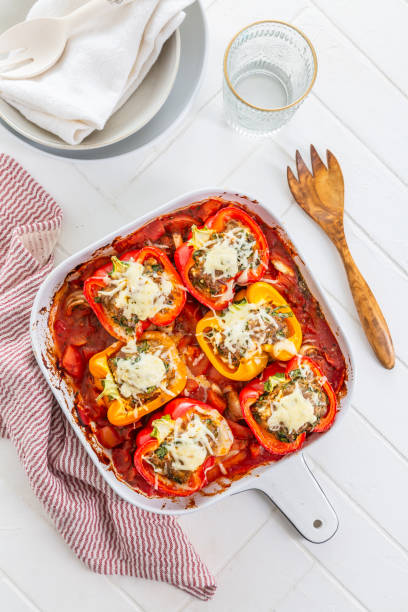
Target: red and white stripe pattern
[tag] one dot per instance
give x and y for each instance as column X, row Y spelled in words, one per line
column 109, row 535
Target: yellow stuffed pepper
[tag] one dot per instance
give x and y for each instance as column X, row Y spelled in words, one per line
column 257, row 326
column 138, row 377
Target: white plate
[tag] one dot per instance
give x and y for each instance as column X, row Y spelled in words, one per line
column 288, row 483
column 193, row 38
column 144, row 103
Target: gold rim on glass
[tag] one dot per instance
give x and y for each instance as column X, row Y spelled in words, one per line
column 280, row 108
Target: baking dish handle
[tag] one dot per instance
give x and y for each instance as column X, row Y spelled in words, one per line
column 292, row 487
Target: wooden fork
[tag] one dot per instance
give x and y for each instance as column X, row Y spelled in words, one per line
column 321, row 195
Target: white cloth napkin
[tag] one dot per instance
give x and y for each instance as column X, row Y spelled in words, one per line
column 105, row 60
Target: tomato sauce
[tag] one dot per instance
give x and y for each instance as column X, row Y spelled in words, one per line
column 78, row 336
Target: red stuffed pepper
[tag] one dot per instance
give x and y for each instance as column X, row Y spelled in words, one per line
column 180, row 445
column 229, row 249
column 286, row 403
column 137, row 289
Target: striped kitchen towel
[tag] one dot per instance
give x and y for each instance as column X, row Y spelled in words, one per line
column 108, row 534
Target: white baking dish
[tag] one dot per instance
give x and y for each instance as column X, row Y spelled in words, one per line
column 289, row 483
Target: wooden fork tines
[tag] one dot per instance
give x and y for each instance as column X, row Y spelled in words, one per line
column 321, row 194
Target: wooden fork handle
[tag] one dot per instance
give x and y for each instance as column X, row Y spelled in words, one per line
column 371, row 317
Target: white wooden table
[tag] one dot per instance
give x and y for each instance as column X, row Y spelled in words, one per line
column 358, row 109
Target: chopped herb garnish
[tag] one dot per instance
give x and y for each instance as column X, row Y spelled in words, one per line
column 284, row 315
column 161, row 452
column 277, row 312
column 123, row 322
column 97, row 299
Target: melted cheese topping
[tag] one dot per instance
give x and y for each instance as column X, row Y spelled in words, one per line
column 187, row 444
column 189, row 448
column 292, row 411
column 238, row 335
column 136, row 376
column 222, row 258
column 226, row 253
column 137, row 293
column 187, row 455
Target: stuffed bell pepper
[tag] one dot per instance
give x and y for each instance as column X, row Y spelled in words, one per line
column 137, row 289
column 180, row 444
column 257, row 326
column 229, row 249
column 138, row 377
column 286, row 403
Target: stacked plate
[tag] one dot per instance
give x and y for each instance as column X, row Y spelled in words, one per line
column 159, row 103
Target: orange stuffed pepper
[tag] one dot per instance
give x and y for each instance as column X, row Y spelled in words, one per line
column 138, row 377
column 258, row 326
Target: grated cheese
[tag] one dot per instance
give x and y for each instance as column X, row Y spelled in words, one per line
column 187, row 455
column 235, row 333
column 188, row 445
column 227, row 253
column 222, row 258
column 293, row 411
column 136, row 376
column 137, row 293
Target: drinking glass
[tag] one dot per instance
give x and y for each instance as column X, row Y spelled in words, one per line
column 269, row 69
